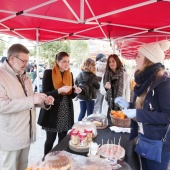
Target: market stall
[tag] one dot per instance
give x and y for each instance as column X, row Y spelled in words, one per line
column 102, row 138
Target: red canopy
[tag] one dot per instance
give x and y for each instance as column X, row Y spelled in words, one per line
column 129, row 23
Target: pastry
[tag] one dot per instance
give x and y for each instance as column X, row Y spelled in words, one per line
column 60, row 163
column 97, row 123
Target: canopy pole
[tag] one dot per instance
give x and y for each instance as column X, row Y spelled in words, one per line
column 114, row 47
column 37, row 58
column 82, row 11
column 38, row 82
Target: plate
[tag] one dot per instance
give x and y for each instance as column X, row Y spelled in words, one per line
column 112, row 151
column 78, row 148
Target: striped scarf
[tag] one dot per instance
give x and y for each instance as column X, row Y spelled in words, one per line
column 116, row 81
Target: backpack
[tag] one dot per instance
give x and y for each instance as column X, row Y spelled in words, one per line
column 86, row 88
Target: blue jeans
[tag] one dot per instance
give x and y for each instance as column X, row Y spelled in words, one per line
column 152, row 165
column 88, row 106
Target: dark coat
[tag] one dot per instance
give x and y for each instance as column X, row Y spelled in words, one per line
column 48, row 118
column 92, row 81
column 155, row 114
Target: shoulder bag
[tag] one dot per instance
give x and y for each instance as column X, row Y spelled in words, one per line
column 150, row 149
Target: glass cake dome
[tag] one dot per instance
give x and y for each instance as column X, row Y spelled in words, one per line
column 99, row 120
column 85, row 125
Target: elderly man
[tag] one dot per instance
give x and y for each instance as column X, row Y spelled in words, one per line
column 17, row 109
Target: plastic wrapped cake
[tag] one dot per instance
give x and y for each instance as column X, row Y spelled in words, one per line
column 99, row 120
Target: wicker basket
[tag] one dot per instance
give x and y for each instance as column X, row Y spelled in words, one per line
column 120, row 122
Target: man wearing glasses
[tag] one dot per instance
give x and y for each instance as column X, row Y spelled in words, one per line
column 17, row 109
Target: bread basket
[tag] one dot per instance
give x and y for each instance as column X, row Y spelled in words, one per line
column 120, row 122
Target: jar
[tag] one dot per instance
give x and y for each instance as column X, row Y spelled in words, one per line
column 75, row 137
column 83, row 139
column 89, row 134
column 81, row 125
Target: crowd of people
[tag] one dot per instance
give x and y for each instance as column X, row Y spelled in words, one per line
column 101, row 83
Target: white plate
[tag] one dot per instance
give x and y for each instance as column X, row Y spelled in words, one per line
column 112, row 151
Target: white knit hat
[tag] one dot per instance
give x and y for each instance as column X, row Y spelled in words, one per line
column 155, row 51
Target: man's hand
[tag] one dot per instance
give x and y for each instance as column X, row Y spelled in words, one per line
column 39, row 98
column 49, row 100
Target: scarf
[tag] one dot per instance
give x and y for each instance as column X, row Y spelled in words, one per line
column 145, row 78
column 116, row 81
column 59, row 80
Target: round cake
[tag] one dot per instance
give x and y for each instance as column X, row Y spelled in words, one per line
column 60, row 163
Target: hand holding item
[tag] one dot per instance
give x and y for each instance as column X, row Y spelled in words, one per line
column 107, row 85
column 77, row 90
column 64, row 89
column 121, row 102
column 49, row 100
column 39, row 98
column 130, row 113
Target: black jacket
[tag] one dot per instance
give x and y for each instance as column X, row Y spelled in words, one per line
column 92, row 81
column 48, row 118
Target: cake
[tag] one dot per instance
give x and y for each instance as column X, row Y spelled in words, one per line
column 97, row 123
column 56, row 162
column 60, row 163
column 99, row 120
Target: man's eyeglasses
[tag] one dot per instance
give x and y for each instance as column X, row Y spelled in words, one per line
column 23, row 61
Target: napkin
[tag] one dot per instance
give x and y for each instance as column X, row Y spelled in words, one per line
column 120, row 129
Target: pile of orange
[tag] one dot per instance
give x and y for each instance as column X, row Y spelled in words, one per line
column 118, row 114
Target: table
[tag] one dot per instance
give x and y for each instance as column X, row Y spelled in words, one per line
column 130, row 156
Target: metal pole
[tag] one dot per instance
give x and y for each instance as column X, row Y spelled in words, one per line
column 37, row 58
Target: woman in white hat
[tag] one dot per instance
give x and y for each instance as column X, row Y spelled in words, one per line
column 152, row 104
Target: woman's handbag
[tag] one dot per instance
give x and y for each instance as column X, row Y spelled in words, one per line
column 150, row 149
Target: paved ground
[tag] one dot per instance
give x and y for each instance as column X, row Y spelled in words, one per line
column 36, row 151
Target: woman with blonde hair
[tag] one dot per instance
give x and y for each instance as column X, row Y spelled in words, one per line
column 152, row 108
column 88, row 79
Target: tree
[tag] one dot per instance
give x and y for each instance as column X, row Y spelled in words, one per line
column 2, row 47
column 79, row 51
column 48, row 51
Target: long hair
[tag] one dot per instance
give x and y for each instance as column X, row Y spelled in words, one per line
column 118, row 62
column 147, row 63
column 89, row 66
